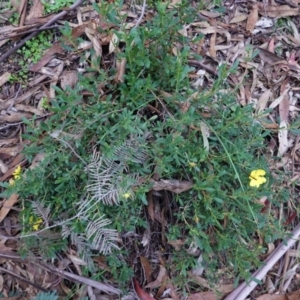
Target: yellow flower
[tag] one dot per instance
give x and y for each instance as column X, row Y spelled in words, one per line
column 257, row 178
column 17, row 172
column 35, row 223
column 126, row 195
column 11, row 181
column 192, row 164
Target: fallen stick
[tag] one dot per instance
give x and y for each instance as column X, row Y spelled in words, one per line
column 49, row 23
column 244, row 289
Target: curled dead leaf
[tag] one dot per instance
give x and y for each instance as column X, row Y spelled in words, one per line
column 280, row 11
column 68, row 78
column 172, row 185
column 140, row 292
column 159, row 280
column 252, row 19
column 14, row 117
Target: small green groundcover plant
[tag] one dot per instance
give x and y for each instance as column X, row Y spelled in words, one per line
column 52, row 6
column 30, row 53
column 87, row 188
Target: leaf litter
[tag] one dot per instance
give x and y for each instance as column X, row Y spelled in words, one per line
column 267, row 66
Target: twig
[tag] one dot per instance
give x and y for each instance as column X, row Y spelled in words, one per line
column 28, row 31
column 142, row 15
column 49, row 23
column 23, row 15
column 243, row 290
column 83, row 280
column 71, row 148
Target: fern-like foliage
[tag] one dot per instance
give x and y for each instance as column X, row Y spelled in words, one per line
column 108, row 178
column 131, row 151
column 105, row 178
column 103, row 239
column 109, row 181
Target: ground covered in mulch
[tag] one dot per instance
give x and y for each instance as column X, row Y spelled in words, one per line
column 258, row 40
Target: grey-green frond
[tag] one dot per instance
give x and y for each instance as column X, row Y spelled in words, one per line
column 103, row 239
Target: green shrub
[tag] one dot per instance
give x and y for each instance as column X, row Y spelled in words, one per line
column 220, row 214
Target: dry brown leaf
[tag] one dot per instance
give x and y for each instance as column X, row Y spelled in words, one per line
column 185, row 105
column 177, row 244
column 271, row 45
column 172, row 185
column 274, row 297
column 222, row 288
column 201, row 24
column 158, row 214
column 76, row 260
column 278, row 100
column 140, row 292
column 284, row 105
column 1, row 283
column 146, row 268
column 238, row 18
column 263, row 101
column 36, row 10
column 14, row 117
column 283, row 138
column 4, row 78
column 68, row 78
column 280, row 11
column 296, row 35
column 216, row 29
column 120, row 67
column 3, row 167
column 58, row 70
column 7, row 205
column 113, row 44
column 18, row 5
column 159, row 280
column 11, row 151
column 170, row 286
column 93, row 35
column 8, row 141
column 29, row 108
column 150, row 206
column 252, row 19
column 25, row 96
column 210, row 14
column 203, row 296
column 268, row 57
column 56, row 48
column 174, row 3
column 269, row 125
column 212, row 44
column 183, row 31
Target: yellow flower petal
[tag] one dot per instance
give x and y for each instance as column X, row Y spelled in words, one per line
column 17, row 172
column 11, row 181
column 258, row 172
column 126, row 195
column 257, row 178
column 35, row 223
column 192, row 164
